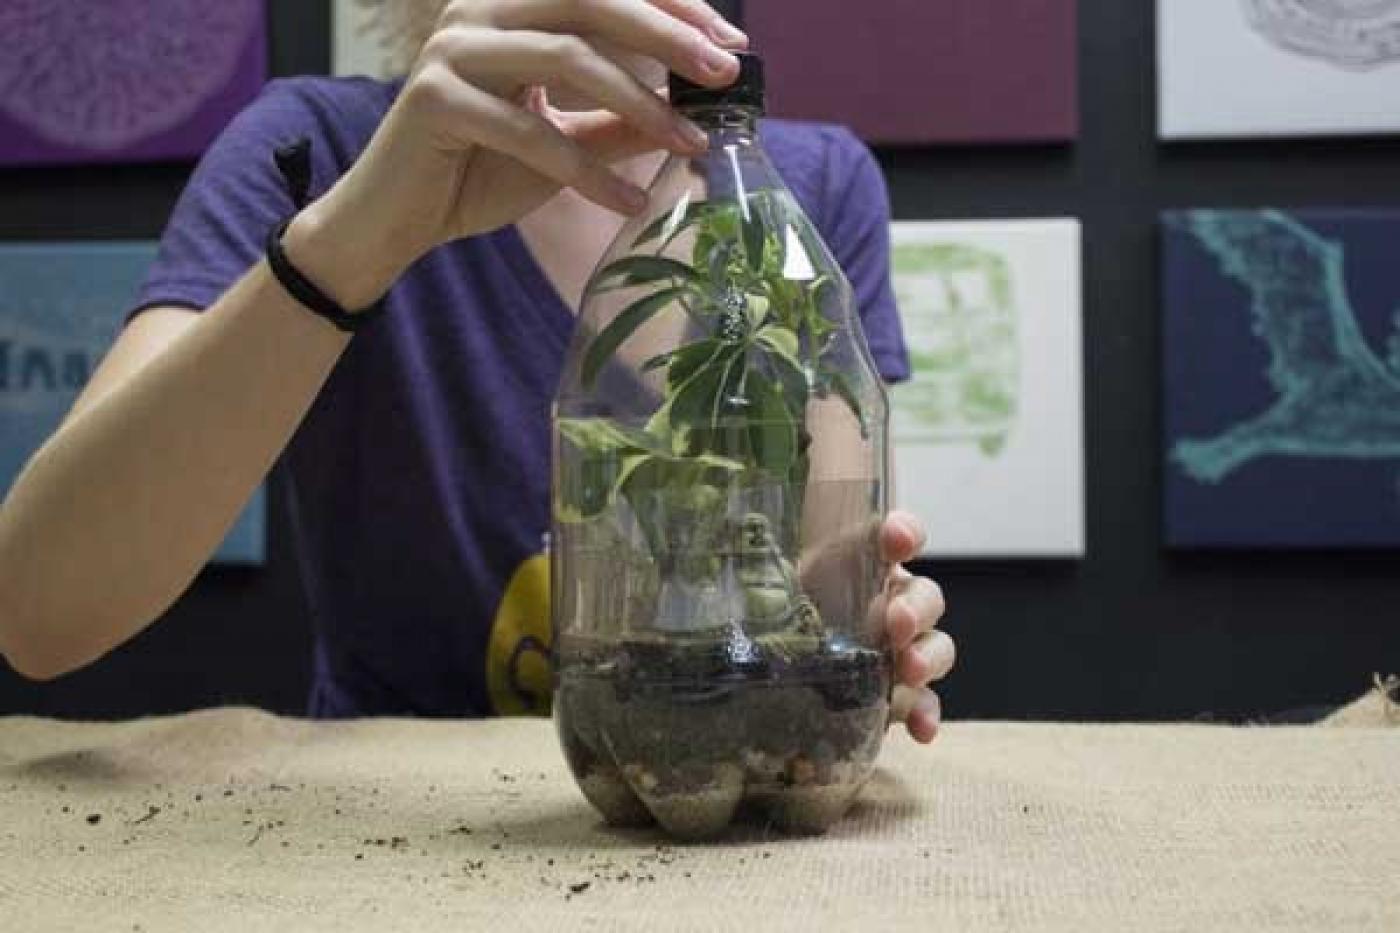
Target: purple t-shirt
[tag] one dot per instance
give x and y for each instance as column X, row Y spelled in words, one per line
column 419, row 481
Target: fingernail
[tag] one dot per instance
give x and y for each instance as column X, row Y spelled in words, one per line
column 912, row 668
column 634, row 198
column 728, row 33
column 907, row 618
column 925, row 662
column 717, row 61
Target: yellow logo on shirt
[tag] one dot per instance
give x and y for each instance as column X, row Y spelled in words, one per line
column 518, row 673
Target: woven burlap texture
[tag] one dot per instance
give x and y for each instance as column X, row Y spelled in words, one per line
column 237, row 820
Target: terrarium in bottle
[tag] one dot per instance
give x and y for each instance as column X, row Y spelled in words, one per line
column 720, row 475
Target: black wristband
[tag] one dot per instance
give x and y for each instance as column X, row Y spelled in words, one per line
column 294, row 162
column 307, row 294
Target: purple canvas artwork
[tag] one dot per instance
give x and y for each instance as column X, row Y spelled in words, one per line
column 124, row 80
column 953, row 71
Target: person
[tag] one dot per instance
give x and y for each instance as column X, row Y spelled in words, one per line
column 477, row 191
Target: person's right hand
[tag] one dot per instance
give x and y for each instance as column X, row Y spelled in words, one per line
column 472, row 144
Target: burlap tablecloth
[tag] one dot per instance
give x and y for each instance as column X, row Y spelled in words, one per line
column 236, row 820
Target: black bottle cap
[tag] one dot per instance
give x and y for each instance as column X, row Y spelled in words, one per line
column 746, row 91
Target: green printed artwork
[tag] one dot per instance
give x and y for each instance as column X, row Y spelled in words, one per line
column 1282, row 344
column 959, row 314
column 989, row 429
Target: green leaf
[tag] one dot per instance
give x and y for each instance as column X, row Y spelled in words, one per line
column 771, row 208
column 780, row 340
column 844, row 389
column 650, row 471
column 727, row 430
column 694, row 400
column 717, row 262
column 704, row 246
column 757, row 307
column 780, row 346
column 797, row 478
column 755, row 238
column 772, row 428
column 690, row 381
column 678, row 495
column 585, row 490
column 719, row 224
column 786, row 300
column 664, row 222
column 688, row 360
column 641, row 270
column 723, row 222
column 691, row 410
column 669, row 225
column 612, row 456
column 623, row 326
column 602, row 436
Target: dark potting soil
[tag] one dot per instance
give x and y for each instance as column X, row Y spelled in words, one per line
column 648, row 726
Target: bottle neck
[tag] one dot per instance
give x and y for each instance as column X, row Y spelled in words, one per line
column 725, row 124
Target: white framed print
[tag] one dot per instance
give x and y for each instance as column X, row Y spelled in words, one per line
column 988, row 433
column 1277, row 68
column 358, row 47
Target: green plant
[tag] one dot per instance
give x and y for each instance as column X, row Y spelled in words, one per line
column 735, row 396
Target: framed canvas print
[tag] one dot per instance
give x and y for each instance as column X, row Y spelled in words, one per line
column 988, row 434
column 358, row 46
column 1282, row 378
column 911, row 73
column 1242, row 68
column 61, row 305
column 124, row 80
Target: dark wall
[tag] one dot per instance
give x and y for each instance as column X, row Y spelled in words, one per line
column 1131, row 632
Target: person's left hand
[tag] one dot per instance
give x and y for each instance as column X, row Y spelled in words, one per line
column 911, row 607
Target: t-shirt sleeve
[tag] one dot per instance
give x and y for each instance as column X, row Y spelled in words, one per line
column 217, row 230
column 858, row 223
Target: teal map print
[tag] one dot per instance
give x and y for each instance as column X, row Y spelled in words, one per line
column 1282, row 377
column 960, row 327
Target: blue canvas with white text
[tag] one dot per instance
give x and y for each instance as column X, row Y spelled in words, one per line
column 61, row 305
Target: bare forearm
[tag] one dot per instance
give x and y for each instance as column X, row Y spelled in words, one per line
column 116, row 514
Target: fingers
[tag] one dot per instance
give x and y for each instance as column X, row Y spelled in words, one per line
column 495, row 51
column 606, row 135
column 539, row 144
column 700, row 14
column 920, row 711
column 930, row 658
column 901, row 537
column 678, row 33
column 915, row 610
column 504, row 61
column 467, row 116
